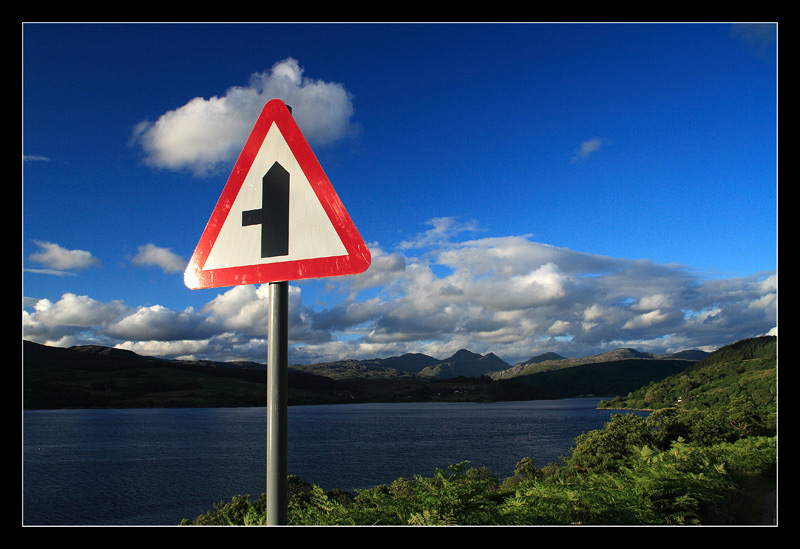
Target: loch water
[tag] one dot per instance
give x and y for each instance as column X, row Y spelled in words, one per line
column 159, row 466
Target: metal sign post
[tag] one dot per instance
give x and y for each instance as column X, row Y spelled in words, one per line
column 301, row 230
column 277, row 388
column 277, row 403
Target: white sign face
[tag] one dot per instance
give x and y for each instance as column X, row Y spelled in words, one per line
column 278, row 217
column 310, row 232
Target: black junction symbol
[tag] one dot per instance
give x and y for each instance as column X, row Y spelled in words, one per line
column 274, row 213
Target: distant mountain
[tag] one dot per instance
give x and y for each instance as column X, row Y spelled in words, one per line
column 527, row 367
column 349, row 368
column 409, row 362
column 461, row 363
column 92, row 376
column 402, row 366
column 543, row 358
column 552, row 361
column 465, row 363
column 692, row 354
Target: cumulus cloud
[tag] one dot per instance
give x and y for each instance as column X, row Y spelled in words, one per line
column 645, row 320
column 242, row 309
column 187, row 349
column 161, row 324
column 385, row 268
column 57, row 259
column 205, row 134
column 517, row 298
column 508, row 295
column 72, row 320
column 165, row 259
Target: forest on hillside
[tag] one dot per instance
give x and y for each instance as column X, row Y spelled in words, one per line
column 746, row 369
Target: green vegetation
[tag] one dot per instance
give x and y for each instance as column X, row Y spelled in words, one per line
column 711, row 462
column 747, row 368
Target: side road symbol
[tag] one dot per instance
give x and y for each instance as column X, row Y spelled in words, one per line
column 274, row 213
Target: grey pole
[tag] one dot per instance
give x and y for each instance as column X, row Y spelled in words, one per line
column 277, row 403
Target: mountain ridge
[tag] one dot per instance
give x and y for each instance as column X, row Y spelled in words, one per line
column 539, row 363
column 103, row 377
column 465, row 363
column 460, row 364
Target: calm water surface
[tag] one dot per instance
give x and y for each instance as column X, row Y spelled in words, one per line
column 158, row 466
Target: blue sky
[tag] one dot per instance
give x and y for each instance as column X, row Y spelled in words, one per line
column 523, row 188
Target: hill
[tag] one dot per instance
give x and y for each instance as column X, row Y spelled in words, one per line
column 465, row 363
column 613, row 377
column 553, row 361
column 403, row 366
column 745, row 368
column 410, row 365
column 101, row 377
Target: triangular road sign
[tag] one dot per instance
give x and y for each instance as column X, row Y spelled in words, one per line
column 278, row 218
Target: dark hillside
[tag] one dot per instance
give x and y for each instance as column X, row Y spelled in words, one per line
column 98, row 377
column 603, row 379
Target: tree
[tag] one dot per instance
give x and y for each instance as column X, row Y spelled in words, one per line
column 602, row 449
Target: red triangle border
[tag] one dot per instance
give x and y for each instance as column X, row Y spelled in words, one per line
column 358, row 256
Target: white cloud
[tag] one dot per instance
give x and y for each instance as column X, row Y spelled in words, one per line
column 588, row 148
column 185, row 349
column 205, row 134
column 558, row 328
column 383, row 270
column 442, row 229
column 165, row 259
column 72, row 320
column 648, row 303
column 58, row 258
column 645, row 320
column 78, row 311
column 162, row 324
column 53, row 272
column 510, row 295
column 242, row 309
